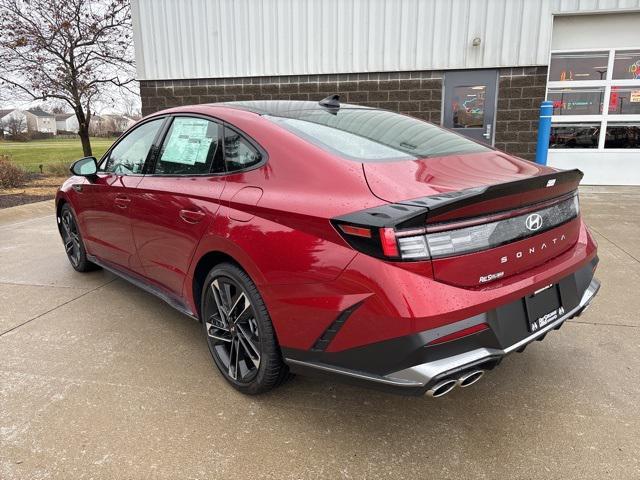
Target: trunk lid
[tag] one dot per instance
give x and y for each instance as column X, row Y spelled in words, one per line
column 462, row 195
column 399, row 181
column 463, row 186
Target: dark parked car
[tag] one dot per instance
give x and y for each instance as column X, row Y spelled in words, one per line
column 335, row 239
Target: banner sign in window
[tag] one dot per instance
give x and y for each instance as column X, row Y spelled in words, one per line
column 635, row 96
column 188, row 143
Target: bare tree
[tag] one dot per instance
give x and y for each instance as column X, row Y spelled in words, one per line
column 69, row 50
column 131, row 106
column 14, row 125
column 57, row 109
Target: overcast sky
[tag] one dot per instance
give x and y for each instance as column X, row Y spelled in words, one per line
column 112, row 99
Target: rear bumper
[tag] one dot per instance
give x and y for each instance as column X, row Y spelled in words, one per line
column 408, row 365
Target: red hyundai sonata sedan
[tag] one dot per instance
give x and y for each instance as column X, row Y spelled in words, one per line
column 332, row 239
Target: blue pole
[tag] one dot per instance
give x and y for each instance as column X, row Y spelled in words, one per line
column 544, row 132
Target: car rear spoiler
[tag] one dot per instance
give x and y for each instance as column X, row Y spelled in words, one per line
column 470, row 202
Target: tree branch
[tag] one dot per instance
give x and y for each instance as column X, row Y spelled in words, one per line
column 70, row 50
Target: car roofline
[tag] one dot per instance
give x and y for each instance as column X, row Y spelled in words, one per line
column 311, row 106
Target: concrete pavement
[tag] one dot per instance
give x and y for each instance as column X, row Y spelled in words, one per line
column 100, row 380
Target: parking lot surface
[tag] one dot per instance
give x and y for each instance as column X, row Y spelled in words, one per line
column 99, row 379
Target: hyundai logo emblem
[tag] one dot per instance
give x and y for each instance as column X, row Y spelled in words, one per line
column 533, row 222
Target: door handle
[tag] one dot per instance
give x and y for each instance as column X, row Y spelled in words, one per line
column 122, row 201
column 487, row 134
column 192, row 216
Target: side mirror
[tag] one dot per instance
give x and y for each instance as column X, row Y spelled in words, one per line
column 85, row 167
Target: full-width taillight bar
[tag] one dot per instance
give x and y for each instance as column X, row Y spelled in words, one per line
column 437, row 241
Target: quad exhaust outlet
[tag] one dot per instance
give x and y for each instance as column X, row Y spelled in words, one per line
column 470, row 378
column 448, row 384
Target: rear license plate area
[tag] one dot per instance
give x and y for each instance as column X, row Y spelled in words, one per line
column 543, row 307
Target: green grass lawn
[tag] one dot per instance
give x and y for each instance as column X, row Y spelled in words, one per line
column 50, row 152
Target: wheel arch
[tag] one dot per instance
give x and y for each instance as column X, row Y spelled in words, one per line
column 210, row 259
column 60, row 202
column 202, row 269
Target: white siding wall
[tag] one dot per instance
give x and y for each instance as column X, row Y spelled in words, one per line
column 177, row 39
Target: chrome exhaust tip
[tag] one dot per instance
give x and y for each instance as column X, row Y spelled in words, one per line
column 442, row 388
column 470, row 378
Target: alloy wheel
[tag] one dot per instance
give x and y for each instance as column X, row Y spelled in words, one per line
column 232, row 329
column 71, row 237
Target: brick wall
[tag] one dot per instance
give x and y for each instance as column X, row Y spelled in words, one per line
column 520, row 92
column 415, row 93
column 419, row 94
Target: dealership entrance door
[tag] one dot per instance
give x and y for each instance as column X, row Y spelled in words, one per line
column 470, row 103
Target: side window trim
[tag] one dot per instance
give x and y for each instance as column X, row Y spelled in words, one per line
column 105, row 158
column 153, row 161
column 263, row 154
column 156, row 146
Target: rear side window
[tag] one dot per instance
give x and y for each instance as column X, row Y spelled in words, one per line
column 191, row 147
column 129, row 155
column 369, row 135
column 239, row 153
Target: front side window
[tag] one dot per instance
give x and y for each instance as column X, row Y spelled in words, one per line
column 130, row 154
column 370, row 135
column 190, row 148
column 239, row 153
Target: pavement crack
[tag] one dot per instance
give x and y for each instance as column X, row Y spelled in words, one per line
column 605, row 324
column 614, row 244
column 56, row 307
column 45, row 285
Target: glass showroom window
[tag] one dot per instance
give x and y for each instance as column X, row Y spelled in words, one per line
column 578, row 66
column 596, row 99
column 624, row 100
column 576, row 101
column 626, row 65
column 622, row 135
column 575, row 135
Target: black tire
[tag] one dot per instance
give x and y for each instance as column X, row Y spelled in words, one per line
column 72, row 241
column 238, row 322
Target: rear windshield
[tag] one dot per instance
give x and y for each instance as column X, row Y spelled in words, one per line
column 369, row 135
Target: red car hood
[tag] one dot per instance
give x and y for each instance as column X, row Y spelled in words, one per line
column 403, row 180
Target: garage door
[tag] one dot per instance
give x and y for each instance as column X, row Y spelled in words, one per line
column 594, row 83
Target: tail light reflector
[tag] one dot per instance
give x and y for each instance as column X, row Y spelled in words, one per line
column 357, row 231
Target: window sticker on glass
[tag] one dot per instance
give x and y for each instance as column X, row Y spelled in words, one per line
column 188, row 143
